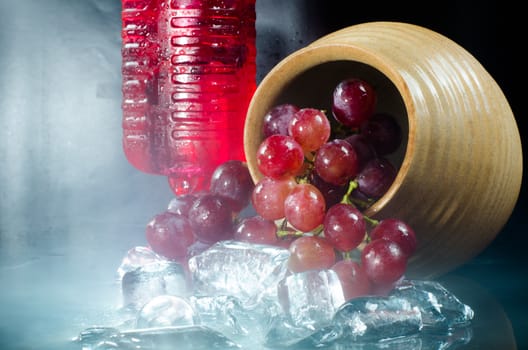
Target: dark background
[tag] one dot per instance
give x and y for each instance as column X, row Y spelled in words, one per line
column 71, row 205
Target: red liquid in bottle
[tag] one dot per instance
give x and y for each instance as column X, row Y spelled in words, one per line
column 188, row 76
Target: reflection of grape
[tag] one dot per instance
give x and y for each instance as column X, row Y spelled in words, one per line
column 353, row 102
column 344, row 227
column 279, row 156
column 211, row 218
column 353, row 278
column 170, row 235
column 304, row 208
column 269, row 195
column 233, row 180
column 310, row 253
column 384, row 261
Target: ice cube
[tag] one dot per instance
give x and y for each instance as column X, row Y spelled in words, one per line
column 311, row 298
column 166, row 310
column 137, row 257
column 148, row 281
column 227, row 315
column 440, row 308
column 246, row 271
column 160, row 338
column 359, row 320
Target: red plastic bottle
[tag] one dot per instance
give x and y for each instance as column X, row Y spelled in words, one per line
column 188, row 70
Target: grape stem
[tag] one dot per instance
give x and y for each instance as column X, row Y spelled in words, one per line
column 352, row 185
column 284, row 230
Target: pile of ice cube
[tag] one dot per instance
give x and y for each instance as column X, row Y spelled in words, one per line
column 240, row 295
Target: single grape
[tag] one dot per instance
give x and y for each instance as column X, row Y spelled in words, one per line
column 269, row 195
column 256, row 229
column 383, row 132
column 310, row 253
column 353, row 278
column 170, row 235
column 278, row 118
column 376, row 178
column 305, row 207
column 353, row 102
column 364, row 149
column 398, row 231
column 233, row 180
column 384, row 261
column 211, row 218
column 333, row 194
column 310, row 128
column 280, row 156
column 181, row 204
column 336, row 162
column 344, row 227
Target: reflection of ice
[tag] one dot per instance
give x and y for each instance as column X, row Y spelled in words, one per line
column 163, row 338
column 249, row 272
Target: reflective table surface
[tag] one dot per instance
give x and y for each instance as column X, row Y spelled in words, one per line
column 71, row 205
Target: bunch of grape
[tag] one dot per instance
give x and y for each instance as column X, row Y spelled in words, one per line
column 319, row 175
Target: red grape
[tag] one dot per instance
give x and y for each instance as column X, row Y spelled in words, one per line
column 344, row 227
column 376, row 178
column 280, row 156
column 310, row 128
column 233, row 180
column 398, row 231
column 333, row 194
column 384, row 261
column 170, row 235
column 353, row 102
column 305, row 207
column 364, row 149
column 211, row 218
column 311, row 253
column 353, row 278
column 278, row 118
column 181, row 204
column 256, row 229
column 269, row 195
column 336, row 162
column 383, row 132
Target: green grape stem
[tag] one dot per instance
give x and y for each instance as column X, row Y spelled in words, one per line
column 352, row 185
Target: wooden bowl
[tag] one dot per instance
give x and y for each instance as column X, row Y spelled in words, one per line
column 460, row 165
